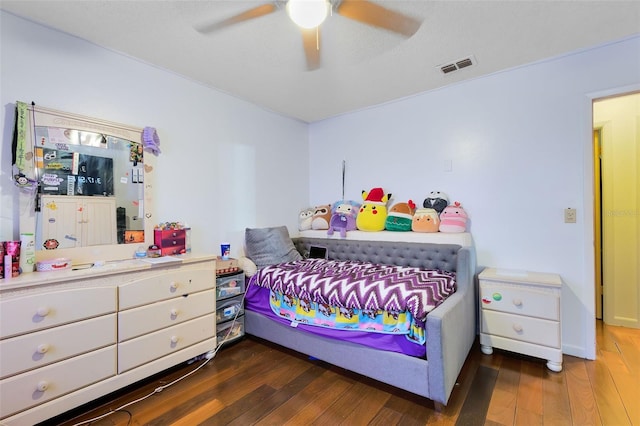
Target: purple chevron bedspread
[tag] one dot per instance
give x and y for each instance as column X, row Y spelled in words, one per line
column 360, row 285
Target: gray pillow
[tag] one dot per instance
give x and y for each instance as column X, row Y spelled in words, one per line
column 268, row 246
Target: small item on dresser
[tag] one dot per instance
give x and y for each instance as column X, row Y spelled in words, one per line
column 226, row 266
column 154, row 251
column 11, row 258
column 140, row 252
column 28, row 252
column 225, row 251
column 58, row 264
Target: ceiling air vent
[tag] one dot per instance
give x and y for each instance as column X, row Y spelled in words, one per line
column 457, row 65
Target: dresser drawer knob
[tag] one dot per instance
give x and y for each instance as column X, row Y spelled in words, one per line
column 174, row 339
column 174, row 312
column 43, row 348
column 175, row 285
column 517, row 302
column 43, row 385
column 517, row 328
column 43, row 311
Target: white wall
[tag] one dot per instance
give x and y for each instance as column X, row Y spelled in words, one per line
column 225, row 164
column 516, row 142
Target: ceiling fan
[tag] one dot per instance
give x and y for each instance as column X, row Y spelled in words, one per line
column 309, row 15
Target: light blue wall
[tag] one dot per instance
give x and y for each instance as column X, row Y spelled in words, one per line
column 519, row 146
column 225, row 165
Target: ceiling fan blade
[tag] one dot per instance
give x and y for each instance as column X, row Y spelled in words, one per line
column 372, row 14
column 256, row 12
column 311, row 44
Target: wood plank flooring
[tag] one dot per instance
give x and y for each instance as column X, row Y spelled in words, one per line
column 255, row 383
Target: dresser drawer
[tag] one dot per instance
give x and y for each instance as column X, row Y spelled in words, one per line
column 145, row 319
column 519, row 299
column 48, row 346
column 165, row 285
column 526, row 329
column 43, row 384
column 160, row 343
column 230, row 285
column 36, row 312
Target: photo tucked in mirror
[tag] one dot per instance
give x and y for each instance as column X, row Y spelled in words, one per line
column 90, row 189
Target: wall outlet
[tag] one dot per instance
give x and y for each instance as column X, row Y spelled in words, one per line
column 569, row 215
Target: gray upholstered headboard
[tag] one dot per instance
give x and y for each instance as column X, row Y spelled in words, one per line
column 418, row 255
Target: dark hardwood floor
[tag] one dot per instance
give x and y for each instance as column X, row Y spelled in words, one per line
column 254, row 382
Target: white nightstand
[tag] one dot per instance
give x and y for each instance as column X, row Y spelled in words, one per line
column 520, row 312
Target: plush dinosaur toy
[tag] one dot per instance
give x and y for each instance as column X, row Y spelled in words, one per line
column 373, row 212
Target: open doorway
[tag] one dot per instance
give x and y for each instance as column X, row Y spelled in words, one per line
column 616, row 147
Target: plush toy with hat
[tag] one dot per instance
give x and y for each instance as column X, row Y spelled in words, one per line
column 321, row 217
column 400, row 217
column 425, row 220
column 436, row 200
column 305, row 218
column 453, row 218
column 373, row 212
column 343, row 217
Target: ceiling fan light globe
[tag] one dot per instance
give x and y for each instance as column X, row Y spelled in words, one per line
column 308, row 13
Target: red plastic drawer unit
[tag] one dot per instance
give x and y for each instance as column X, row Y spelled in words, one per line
column 171, row 241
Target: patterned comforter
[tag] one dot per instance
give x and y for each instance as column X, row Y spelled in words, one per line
column 360, row 285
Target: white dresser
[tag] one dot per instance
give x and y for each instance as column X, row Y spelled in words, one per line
column 69, row 337
column 520, row 312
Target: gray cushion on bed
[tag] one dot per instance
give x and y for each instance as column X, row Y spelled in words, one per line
column 268, row 246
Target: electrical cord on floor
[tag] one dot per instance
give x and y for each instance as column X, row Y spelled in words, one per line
column 208, row 356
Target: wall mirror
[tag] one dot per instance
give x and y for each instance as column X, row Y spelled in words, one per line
column 94, row 187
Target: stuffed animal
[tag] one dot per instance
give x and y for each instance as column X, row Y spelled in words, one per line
column 343, row 217
column 321, row 217
column 436, row 200
column 373, row 212
column 305, row 218
column 425, row 220
column 400, row 216
column 453, row 219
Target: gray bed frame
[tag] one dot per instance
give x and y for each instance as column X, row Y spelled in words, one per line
column 451, row 327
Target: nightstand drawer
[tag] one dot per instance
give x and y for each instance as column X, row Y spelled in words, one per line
column 521, row 300
column 228, row 309
column 526, row 329
column 229, row 286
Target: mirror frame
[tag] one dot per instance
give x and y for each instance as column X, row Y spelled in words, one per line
column 27, row 199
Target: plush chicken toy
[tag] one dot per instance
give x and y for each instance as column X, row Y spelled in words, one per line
column 373, row 212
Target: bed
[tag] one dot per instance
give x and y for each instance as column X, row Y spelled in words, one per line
column 431, row 369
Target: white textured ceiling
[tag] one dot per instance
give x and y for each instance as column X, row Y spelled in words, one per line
column 262, row 60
